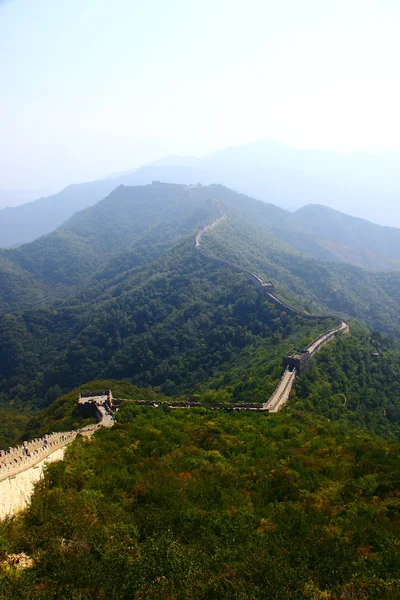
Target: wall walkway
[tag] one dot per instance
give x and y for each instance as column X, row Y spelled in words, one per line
column 20, row 471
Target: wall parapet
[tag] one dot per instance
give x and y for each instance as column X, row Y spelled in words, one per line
column 16, row 460
column 19, row 463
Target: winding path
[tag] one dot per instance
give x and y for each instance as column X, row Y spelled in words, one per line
column 297, row 360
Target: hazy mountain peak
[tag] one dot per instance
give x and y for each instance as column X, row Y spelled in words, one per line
column 367, row 186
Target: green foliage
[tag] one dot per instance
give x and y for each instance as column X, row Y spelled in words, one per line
column 133, row 226
column 176, row 325
column 316, row 286
column 127, row 229
column 162, row 316
column 195, row 505
column 199, row 504
column 13, row 424
column 64, row 413
column 356, row 380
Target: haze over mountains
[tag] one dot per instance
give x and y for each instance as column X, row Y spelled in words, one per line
column 362, row 185
column 17, row 197
column 227, row 314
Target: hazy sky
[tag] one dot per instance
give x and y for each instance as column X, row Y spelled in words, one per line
column 89, row 87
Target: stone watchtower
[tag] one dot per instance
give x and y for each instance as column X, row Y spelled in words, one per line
column 297, row 359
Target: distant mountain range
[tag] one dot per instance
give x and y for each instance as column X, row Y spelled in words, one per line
column 17, row 197
column 363, row 185
column 349, row 239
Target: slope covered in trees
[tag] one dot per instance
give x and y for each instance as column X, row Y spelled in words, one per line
column 141, row 222
column 136, row 225
column 352, row 240
column 317, row 285
column 157, row 314
column 198, row 504
column 175, row 324
column 357, row 381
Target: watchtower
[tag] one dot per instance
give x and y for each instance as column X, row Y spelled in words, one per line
column 297, row 359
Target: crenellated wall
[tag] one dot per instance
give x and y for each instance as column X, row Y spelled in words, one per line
column 20, row 471
column 16, row 490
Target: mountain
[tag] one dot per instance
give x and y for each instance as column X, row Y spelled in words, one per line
column 141, row 221
column 25, row 223
column 16, row 197
column 349, row 239
column 119, row 292
column 363, row 185
column 135, row 225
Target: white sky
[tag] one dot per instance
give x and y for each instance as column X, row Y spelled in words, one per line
column 89, row 87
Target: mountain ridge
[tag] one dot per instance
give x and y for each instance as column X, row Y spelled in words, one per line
column 115, row 235
column 267, row 170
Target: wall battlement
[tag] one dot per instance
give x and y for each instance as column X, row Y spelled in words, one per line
column 17, row 460
column 22, row 466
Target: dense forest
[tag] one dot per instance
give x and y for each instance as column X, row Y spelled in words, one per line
column 356, row 380
column 134, row 226
column 314, row 285
column 198, row 504
column 138, row 303
column 174, row 326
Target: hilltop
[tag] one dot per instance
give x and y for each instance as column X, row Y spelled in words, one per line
column 270, row 171
column 134, row 225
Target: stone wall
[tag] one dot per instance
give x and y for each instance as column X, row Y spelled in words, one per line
column 19, row 472
column 16, row 490
column 282, row 391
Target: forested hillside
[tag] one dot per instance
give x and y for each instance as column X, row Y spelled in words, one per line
column 135, row 225
column 270, row 171
column 174, row 324
column 141, row 222
column 23, row 224
column 316, row 285
column 200, row 356
column 350, row 239
column 203, row 504
column 357, row 381
column 121, row 293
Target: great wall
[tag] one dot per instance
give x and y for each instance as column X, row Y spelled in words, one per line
column 22, row 467
column 296, row 361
